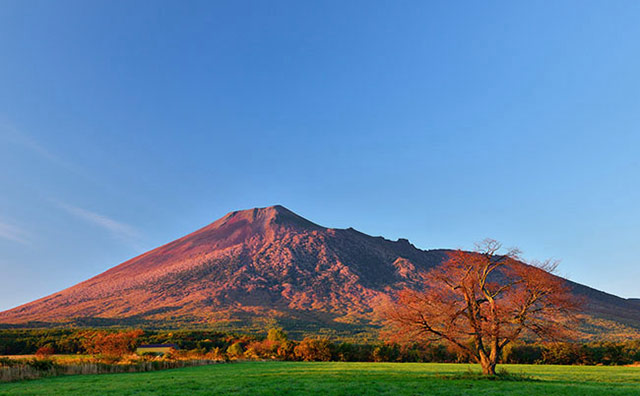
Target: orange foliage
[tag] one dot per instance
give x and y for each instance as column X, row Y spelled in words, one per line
column 313, row 349
column 110, row 344
column 45, row 351
column 275, row 346
column 480, row 302
column 262, row 349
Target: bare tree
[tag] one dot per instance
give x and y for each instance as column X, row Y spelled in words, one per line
column 481, row 301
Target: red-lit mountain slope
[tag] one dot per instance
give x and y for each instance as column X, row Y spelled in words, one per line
column 256, row 264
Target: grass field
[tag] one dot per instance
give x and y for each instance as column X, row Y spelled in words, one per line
column 298, row 378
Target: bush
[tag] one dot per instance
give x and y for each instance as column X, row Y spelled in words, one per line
column 313, row 349
column 276, row 334
column 235, row 350
column 45, row 351
column 110, row 345
column 385, row 353
column 522, row 354
column 217, row 354
column 286, row 350
column 266, row 349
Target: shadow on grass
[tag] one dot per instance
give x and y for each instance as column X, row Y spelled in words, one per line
column 501, row 375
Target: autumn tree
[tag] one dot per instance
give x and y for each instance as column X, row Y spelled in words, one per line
column 275, row 346
column 277, row 334
column 313, row 349
column 110, row 344
column 481, row 301
column 235, row 350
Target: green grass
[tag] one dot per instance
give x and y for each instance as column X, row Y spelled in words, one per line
column 297, row 378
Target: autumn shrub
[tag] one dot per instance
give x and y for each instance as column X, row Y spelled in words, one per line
column 266, row 349
column 235, row 350
column 277, row 334
column 110, row 346
column 286, row 350
column 275, row 346
column 217, row 354
column 44, row 351
column 313, row 349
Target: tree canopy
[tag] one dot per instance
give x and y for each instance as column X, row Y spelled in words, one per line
column 481, row 301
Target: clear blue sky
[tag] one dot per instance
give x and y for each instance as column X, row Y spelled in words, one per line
column 127, row 124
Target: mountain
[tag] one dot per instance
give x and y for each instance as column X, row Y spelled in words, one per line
column 264, row 264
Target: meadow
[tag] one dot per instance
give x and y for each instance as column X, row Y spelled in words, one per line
column 338, row 378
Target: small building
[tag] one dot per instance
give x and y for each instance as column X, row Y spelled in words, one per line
column 156, row 348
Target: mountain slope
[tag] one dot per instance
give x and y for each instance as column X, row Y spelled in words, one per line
column 255, row 264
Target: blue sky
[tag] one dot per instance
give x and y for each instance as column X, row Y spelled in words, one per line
column 127, row 124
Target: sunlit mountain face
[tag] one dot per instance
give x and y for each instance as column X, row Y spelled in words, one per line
column 267, row 265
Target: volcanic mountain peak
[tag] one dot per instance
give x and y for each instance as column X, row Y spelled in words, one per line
column 268, row 217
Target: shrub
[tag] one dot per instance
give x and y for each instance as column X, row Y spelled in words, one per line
column 235, row 350
column 313, row 349
column 286, row 350
column 217, row 354
column 276, row 334
column 110, row 345
column 45, row 351
column 522, row 354
column 385, row 353
column 266, row 349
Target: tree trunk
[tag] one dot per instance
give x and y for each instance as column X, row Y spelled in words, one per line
column 488, row 363
column 488, row 367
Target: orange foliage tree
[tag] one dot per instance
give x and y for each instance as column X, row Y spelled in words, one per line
column 275, row 346
column 481, row 301
column 313, row 349
column 110, row 344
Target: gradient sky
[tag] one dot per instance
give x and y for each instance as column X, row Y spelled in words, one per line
column 127, row 124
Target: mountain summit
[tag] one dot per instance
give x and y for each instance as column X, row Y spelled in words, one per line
column 256, row 264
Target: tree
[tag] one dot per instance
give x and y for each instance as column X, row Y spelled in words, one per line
column 276, row 345
column 481, row 301
column 277, row 334
column 110, row 345
column 313, row 349
column 235, row 350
